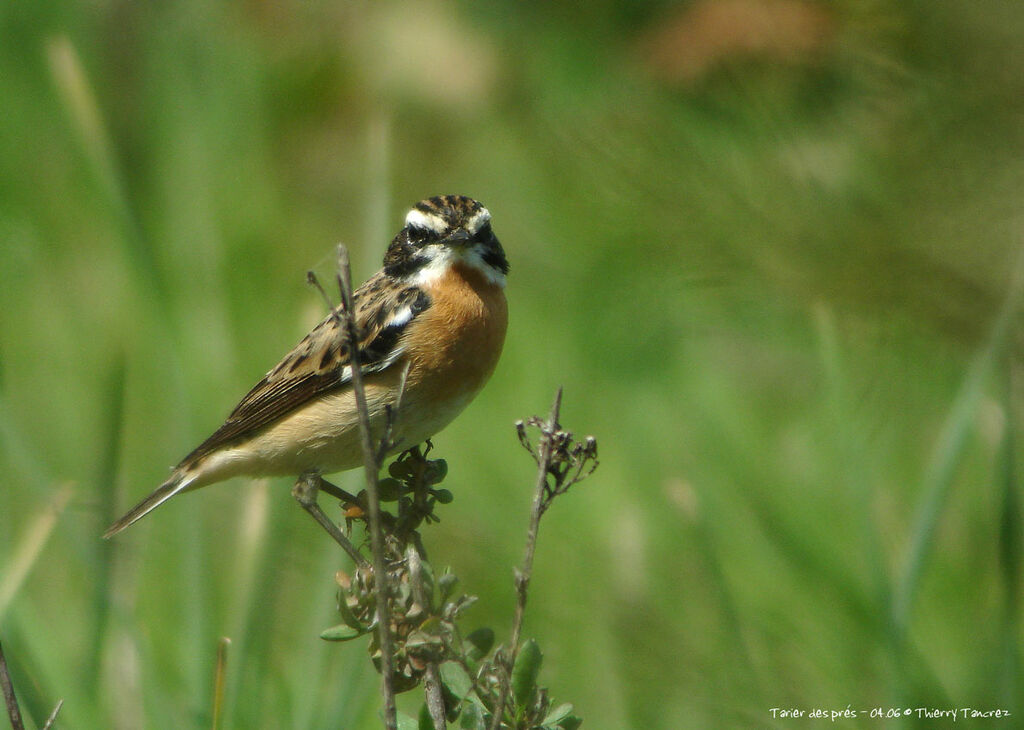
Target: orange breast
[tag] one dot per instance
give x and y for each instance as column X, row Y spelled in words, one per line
column 458, row 340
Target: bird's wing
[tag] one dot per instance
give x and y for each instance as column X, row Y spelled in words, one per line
column 320, row 363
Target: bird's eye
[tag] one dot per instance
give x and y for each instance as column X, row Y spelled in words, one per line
column 422, row 235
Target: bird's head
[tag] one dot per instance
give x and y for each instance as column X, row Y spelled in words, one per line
column 444, row 230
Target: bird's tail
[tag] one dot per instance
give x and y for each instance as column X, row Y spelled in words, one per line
column 177, row 483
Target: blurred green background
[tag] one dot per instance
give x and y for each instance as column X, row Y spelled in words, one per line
column 767, row 246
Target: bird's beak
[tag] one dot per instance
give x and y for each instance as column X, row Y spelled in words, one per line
column 460, row 237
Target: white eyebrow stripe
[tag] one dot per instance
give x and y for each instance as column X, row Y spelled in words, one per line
column 479, row 220
column 419, row 219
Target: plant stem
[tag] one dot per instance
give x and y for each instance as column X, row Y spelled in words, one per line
column 432, row 680
column 372, row 465
column 435, row 698
column 13, row 712
column 305, row 492
column 544, row 451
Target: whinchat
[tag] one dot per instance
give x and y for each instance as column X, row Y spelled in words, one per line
column 434, row 316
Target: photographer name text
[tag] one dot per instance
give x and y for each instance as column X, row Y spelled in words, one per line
column 882, row 713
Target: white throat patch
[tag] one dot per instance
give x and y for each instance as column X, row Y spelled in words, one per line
column 443, row 258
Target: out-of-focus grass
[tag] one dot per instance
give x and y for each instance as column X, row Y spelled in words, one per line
column 763, row 288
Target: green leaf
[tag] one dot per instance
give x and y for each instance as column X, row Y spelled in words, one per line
column 347, row 616
column 481, row 641
column 472, row 718
column 407, row 723
column 446, row 584
column 525, row 671
column 427, row 576
column 341, row 632
column 403, row 593
column 455, row 679
column 443, row 496
column 388, row 490
column 421, row 641
column 437, row 470
column 558, row 714
column 426, row 721
column 400, row 469
column 570, row 723
column 463, row 603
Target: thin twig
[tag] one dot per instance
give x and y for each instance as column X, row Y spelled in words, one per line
column 372, row 465
column 435, row 697
column 305, row 492
column 13, row 712
column 53, row 715
column 314, row 282
column 432, row 679
column 543, row 456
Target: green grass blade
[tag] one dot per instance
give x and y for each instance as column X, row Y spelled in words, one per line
column 31, row 546
column 1011, row 561
column 113, row 420
column 219, row 681
column 946, row 455
column 84, row 114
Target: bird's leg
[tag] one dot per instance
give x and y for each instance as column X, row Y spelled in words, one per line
column 337, row 492
column 305, row 492
column 355, row 508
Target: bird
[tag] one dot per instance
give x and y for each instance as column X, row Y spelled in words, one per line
column 430, row 326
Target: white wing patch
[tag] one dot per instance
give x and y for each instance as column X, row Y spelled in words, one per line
column 400, row 318
column 346, row 372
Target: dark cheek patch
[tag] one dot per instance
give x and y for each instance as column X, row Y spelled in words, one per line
column 495, row 258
